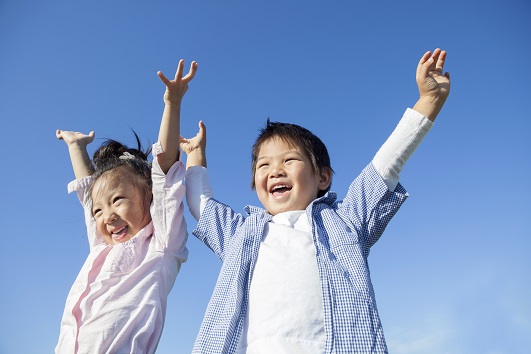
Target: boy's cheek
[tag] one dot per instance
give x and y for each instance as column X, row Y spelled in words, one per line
column 260, row 183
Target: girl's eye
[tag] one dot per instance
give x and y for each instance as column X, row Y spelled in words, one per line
column 263, row 165
column 116, row 199
column 96, row 212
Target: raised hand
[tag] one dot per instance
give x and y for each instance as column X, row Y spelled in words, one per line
column 77, row 148
column 430, row 78
column 70, row 137
column 195, row 148
column 197, row 142
column 433, row 85
column 170, row 125
column 176, row 88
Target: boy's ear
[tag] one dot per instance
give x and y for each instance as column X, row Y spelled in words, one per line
column 325, row 178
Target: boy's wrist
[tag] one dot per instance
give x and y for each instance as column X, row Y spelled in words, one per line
column 173, row 101
column 429, row 106
column 196, row 157
column 197, row 153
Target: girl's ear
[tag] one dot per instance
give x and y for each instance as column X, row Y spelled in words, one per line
column 325, row 178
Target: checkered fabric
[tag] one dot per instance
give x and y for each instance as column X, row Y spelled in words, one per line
column 343, row 232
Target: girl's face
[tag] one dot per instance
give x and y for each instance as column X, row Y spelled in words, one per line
column 119, row 208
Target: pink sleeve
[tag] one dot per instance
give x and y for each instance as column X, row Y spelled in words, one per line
column 167, row 210
column 81, row 187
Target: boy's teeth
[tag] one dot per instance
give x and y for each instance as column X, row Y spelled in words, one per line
column 279, row 187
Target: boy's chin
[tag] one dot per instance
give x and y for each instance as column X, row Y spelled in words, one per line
column 278, row 210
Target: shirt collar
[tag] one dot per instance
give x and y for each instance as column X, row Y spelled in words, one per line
column 329, row 198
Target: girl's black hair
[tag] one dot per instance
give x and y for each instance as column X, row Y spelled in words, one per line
column 131, row 163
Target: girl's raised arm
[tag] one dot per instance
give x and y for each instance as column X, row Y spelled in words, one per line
column 77, row 148
column 169, row 133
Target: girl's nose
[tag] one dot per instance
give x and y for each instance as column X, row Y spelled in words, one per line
column 109, row 217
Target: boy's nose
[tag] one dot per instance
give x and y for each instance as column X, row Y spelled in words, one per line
column 277, row 171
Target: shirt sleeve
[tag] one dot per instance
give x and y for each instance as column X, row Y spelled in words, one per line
column 198, row 190
column 81, row 187
column 167, row 210
column 370, row 205
column 217, row 222
column 217, row 226
column 400, row 145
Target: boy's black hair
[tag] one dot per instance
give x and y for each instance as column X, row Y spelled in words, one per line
column 125, row 162
column 298, row 136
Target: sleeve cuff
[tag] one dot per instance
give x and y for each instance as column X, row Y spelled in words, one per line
column 79, row 184
column 156, row 149
column 400, row 145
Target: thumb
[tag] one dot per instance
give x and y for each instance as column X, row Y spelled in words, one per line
column 202, row 128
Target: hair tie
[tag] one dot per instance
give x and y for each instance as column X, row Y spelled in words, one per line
column 126, row 156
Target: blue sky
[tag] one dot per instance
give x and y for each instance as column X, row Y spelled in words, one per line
column 452, row 271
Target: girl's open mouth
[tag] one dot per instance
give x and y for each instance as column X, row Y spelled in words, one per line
column 119, row 234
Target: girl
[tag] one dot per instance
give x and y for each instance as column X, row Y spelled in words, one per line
column 137, row 236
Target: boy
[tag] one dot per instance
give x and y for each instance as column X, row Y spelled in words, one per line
column 295, row 276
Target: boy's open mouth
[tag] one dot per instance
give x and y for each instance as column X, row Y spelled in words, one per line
column 279, row 189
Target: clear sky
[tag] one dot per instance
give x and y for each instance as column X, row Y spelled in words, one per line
column 452, row 272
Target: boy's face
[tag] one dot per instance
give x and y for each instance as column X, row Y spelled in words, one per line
column 285, row 179
column 119, row 208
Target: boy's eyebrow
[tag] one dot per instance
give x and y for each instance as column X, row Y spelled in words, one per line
column 299, row 153
column 292, row 151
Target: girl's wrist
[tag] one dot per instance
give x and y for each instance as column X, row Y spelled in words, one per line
column 77, row 145
column 172, row 98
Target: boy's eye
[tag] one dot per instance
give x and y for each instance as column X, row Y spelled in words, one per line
column 291, row 159
column 96, row 212
column 262, row 165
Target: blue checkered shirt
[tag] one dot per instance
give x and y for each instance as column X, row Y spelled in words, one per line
column 343, row 233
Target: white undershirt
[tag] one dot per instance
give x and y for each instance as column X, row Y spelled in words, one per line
column 285, row 310
column 285, row 305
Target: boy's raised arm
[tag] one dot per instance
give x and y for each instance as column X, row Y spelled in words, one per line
column 198, row 189
column 169, row 133
column 77, row 148
column 434, row 88
column 195, row 148
column 433, row 85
